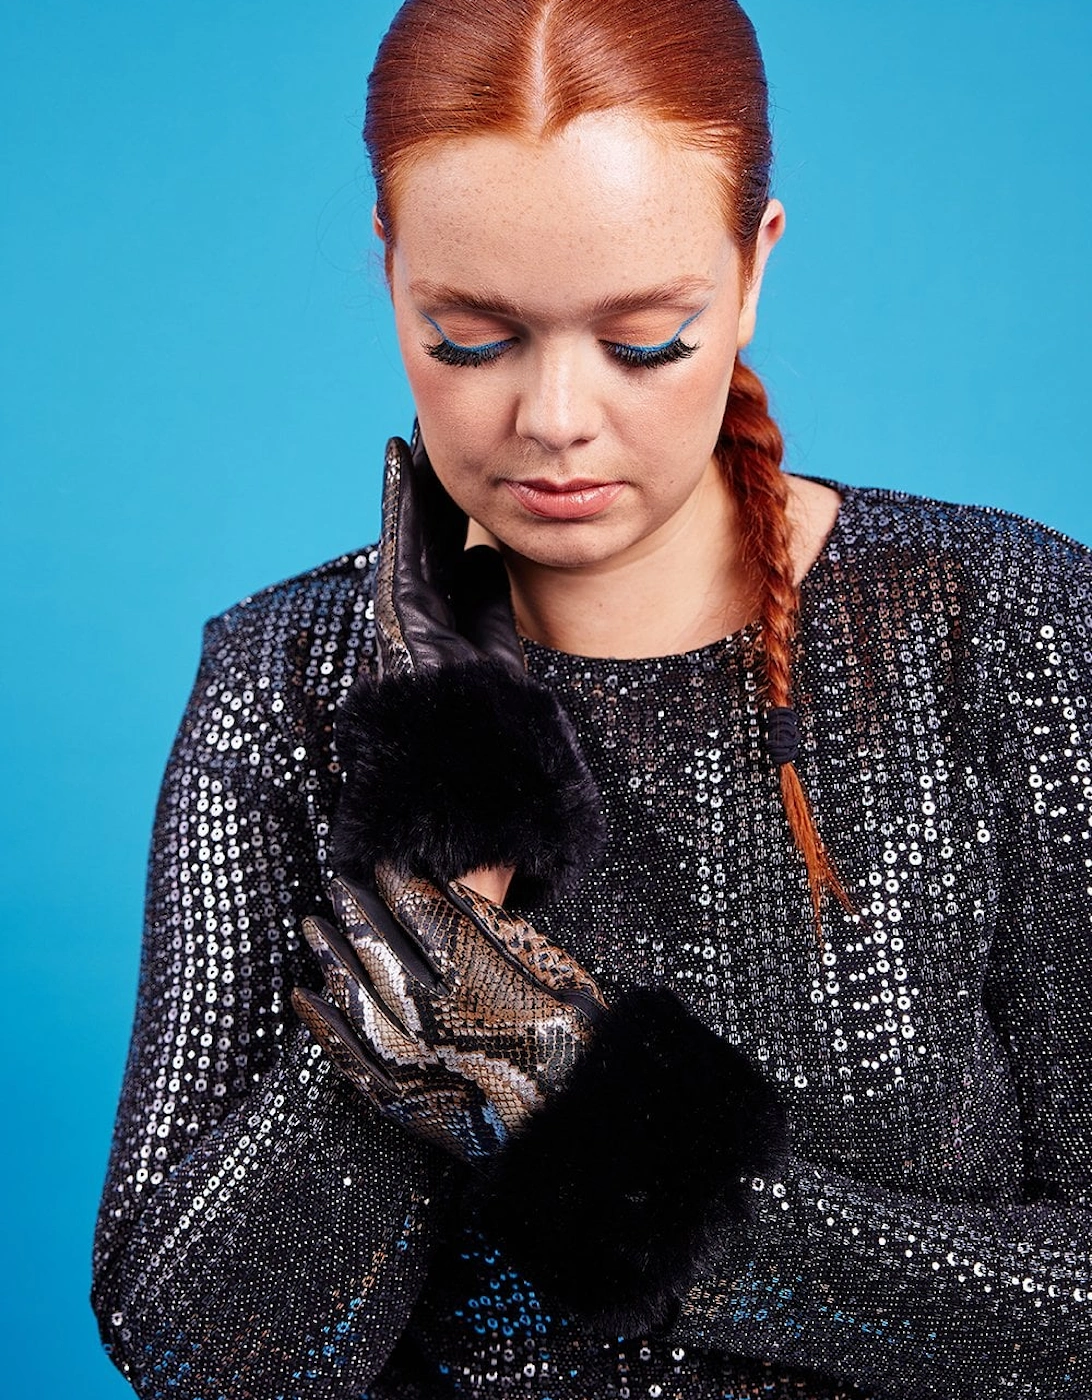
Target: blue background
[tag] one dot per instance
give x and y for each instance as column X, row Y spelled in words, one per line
column 198, row 375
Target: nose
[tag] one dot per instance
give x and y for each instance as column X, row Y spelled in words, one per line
column 558, row 405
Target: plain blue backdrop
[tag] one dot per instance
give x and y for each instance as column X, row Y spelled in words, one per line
column 198, row 376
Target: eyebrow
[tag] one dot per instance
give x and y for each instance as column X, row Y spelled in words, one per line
column 675, row 293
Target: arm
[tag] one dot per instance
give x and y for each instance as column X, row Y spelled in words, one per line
column 924, row 1298
column 912, row 1298
column 262, row 1231
column 907, row 1298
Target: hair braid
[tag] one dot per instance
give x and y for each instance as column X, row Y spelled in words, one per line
column 750, row 450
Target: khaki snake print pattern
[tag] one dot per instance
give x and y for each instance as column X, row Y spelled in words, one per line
column 458, row 1023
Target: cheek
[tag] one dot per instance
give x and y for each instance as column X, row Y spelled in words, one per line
column 462, row 430
column 441, row 397
column 458, row 409
column 713, row 375
column 684, row 418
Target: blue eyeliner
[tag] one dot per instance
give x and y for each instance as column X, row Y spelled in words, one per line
column 450, row 352
column 465, row 349
column 671, row 339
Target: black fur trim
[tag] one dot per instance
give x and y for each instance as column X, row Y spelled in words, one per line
column 625, row 1182
column 459, row 767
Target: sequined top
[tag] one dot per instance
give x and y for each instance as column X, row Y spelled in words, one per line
column 263, row 1233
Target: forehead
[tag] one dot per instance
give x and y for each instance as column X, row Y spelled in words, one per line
column 604, row 207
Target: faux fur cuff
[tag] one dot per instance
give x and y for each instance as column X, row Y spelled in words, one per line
column 459, row 767
column 628, row 1179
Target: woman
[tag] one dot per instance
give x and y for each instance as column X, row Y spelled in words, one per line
column 813, row 1118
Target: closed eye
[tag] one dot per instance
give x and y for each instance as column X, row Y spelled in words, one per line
column 649, row 356
column 450, row 352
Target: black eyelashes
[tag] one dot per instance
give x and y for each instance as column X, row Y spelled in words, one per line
column 632, row 356
column 466, row 356
column 645, row 357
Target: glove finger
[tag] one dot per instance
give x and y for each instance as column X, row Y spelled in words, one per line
column 333, row 951
column 482, row 601
column 330, row 1029
column 454, row 1114
column 555, row 970
column 443, row 1109
column 410, row 992
column 422, row 535
column 441, row 523
column 350, row 979
column 360, row 908
column 430, row 918
column 391, row 1041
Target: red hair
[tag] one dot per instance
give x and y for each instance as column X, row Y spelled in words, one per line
column 456, row 68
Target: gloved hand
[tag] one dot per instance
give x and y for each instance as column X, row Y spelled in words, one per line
column 614, row 1146
column 436, row 602
column 618, row 1142
column 455, row 760
column 453, row 1016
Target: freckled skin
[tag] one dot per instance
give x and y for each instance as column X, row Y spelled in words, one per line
column 607, row 207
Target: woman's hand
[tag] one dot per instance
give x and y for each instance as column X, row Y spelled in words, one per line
column 453, row 1016
column 491, row 881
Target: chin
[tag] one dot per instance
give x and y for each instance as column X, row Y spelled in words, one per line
column 570, row 546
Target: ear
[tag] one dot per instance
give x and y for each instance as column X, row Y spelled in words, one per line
column 388, row 248
column 770, row 230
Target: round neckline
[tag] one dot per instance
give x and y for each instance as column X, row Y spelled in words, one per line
column 539, row 651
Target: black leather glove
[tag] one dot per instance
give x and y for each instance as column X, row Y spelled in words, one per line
column 454, row 1017
column 455, row 759
column 436, row 602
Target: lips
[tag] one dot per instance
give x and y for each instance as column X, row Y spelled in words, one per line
column 566, row 500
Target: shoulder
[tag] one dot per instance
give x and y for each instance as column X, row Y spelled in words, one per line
column 1004, row 556
column 1016, row 591
column 326, row 590
column 306, row 636
column 889, row 515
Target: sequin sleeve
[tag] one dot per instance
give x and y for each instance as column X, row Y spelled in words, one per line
column 918, row 1299
column 261, row 1231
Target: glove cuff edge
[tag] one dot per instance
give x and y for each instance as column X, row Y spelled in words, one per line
column 460, row 767
column 638, row 1170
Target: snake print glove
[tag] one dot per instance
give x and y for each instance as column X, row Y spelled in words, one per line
column 613, row 1145
column 453, row 1016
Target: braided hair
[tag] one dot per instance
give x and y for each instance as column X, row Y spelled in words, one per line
column 750, row 450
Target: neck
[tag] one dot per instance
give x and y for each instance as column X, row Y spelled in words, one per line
column 677, row 589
